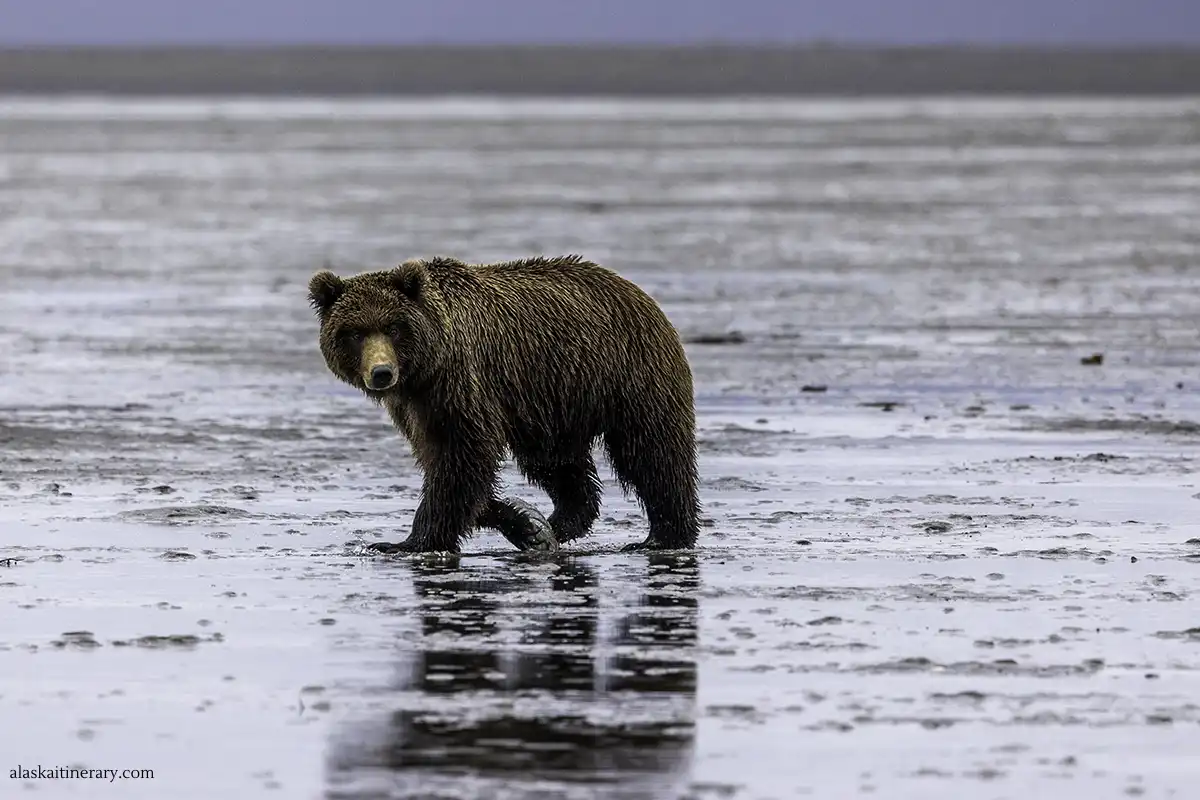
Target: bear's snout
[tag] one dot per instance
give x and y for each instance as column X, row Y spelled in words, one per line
column 382, row 376
column 379, row 368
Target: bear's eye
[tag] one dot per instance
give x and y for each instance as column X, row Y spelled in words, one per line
column 354, row 337
column 394, row 332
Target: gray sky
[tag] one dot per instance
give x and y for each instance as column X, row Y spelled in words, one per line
column 388, row 21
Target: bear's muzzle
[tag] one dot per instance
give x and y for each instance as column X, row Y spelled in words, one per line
column 380, row 369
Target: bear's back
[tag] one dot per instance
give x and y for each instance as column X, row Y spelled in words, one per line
column 564, row 325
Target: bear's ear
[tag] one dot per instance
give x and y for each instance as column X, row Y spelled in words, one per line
column 324, row 290
column 410, row 278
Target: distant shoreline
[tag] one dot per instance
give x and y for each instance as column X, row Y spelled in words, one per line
column 685, row 71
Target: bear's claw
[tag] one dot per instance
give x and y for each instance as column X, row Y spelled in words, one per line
column 648, row 545
column 389, row 548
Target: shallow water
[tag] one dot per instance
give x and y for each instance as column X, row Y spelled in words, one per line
column 944, row 556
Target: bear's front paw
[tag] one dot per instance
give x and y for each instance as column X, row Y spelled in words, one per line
column 541, row 539
column 526, row 528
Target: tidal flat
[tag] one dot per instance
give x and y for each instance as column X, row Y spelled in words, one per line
column 946, row 366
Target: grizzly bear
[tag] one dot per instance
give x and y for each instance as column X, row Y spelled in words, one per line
column 538, row 357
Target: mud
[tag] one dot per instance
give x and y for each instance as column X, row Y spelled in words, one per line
column 936, row 542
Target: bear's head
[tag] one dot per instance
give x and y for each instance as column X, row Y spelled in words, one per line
column 378, row 329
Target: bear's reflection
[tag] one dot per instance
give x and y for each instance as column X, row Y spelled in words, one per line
column 522, row 688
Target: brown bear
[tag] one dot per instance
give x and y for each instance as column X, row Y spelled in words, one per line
column 537, row 357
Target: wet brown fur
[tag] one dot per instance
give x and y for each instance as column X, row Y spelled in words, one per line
column 538, row 358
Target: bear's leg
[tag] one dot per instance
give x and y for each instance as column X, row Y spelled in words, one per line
column 457, row 489
column 661, row 468
column 574, row 488
column 520, row 523
column 408, row 545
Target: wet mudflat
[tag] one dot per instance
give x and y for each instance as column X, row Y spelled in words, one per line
column 950, row 551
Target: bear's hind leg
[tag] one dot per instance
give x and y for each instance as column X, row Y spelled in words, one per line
column 574, row 488
column 661, row 468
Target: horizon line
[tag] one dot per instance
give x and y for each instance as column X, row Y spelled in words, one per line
column 615, row 44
